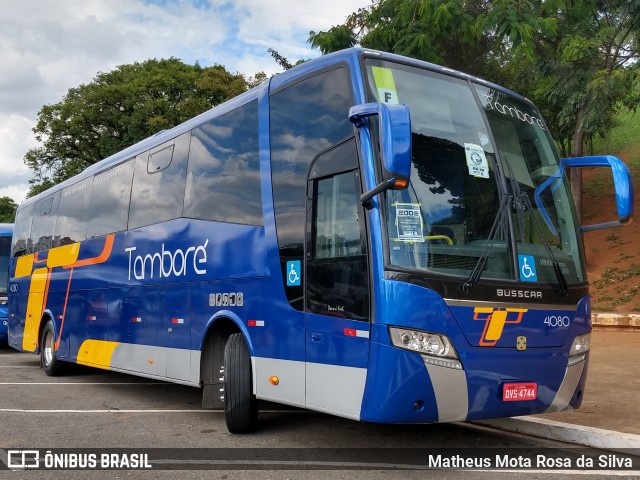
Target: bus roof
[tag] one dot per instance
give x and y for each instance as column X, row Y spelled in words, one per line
column 351, row 56
column 6, row 229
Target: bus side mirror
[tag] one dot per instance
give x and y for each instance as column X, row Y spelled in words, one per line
column 395, row 144
column 621, row 181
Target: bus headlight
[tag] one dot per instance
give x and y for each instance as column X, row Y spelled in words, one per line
column 579, row 348
column 435, row 349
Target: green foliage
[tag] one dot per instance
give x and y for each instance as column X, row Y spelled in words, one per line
column 7, row 210
column 337, row 38
column 624, row 135
column 575, row 60
column 120, row 108
column 280, row 60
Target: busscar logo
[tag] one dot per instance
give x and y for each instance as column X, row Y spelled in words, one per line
column 514, row 293
column 494, row 321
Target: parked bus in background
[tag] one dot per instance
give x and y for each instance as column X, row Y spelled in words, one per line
column 6, row 230
column 365, row 235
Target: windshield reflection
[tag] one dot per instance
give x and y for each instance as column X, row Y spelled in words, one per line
column 463, row 169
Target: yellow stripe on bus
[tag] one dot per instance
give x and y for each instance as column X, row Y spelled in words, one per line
column 496, row 325
column 62, row 256
column 24, row 266
column 34, row 309
column 96, row 353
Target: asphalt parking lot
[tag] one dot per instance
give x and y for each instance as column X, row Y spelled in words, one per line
column 93, row 409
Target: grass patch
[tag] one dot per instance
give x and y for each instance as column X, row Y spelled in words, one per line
column 624, row 134
column 612, row 237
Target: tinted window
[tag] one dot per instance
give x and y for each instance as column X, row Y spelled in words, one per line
column 160, row 159
column 337, row 269
column 22, row 232
column 336, row 231
column 158, row 185
column 223, row 179
column 72, row 213
column 306, row 118
column 44, row 222
column 5, row 248
column 110, row 200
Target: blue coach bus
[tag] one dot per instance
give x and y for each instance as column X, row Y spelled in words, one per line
column 365, row 235
column 6, row 230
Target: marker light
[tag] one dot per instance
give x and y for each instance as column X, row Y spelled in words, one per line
column 434, row 348
column 274, row 380
column 400, row 183
column 579, row 348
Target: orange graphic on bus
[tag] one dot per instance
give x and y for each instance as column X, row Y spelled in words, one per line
column 494, row 321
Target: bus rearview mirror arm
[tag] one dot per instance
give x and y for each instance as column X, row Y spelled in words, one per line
column 622, row 183
column 395, row 144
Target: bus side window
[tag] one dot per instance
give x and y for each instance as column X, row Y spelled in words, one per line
column 161, row 159
column 223, row 178
column 337, row 278
column 306, row 119
column 71, row 226
column 110, row 194
column 158, row 183
column 22, row 244
column 44, row 222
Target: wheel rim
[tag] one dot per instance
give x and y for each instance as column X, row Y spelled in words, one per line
column 48, row 348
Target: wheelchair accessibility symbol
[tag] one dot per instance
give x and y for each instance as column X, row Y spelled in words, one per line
column 527, row 268
column 293, row 273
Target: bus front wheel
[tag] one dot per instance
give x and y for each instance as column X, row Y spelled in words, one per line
column 240, row 405
column 51, row 365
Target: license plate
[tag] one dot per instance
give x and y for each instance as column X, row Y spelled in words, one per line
column 517, row 392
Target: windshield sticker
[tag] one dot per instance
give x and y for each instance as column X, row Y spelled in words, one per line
column 387, row 92
column 294, row 273
column 527, row 265
column 409, row 222
column 513, row 112
column 476, row 160
column 484, row 138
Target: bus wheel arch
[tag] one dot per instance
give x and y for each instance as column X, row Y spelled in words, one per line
column 48, row 361
column 212, row 360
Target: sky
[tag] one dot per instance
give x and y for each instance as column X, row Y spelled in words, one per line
column 49, row 46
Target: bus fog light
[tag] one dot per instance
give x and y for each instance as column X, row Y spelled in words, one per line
column 436, row 349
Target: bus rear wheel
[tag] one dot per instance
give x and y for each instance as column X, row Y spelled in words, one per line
column 51, row 365
column 240, row 405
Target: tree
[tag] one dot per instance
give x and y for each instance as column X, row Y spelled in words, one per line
column 283, row 61
column 584, row 58
column 7, row 210
column 577, row 60
column 446, row 32
column 120, row 108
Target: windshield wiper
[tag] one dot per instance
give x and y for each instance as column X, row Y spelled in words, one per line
column 563, row 286
column 470, row 282
column 523, row 203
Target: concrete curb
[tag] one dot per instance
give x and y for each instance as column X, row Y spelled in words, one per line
column 565, row 432
column 626, row 321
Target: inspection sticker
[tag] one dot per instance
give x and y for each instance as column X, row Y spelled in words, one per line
column 409, row 222
column 476, row 160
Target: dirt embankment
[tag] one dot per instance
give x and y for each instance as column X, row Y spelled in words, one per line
column 613, row 254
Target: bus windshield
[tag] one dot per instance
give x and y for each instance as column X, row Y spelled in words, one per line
column 478, row 190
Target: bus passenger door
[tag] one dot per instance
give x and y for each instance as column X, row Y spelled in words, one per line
column 337, row 286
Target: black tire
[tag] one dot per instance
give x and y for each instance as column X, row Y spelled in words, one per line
column 48, row 361
column 240, row 405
